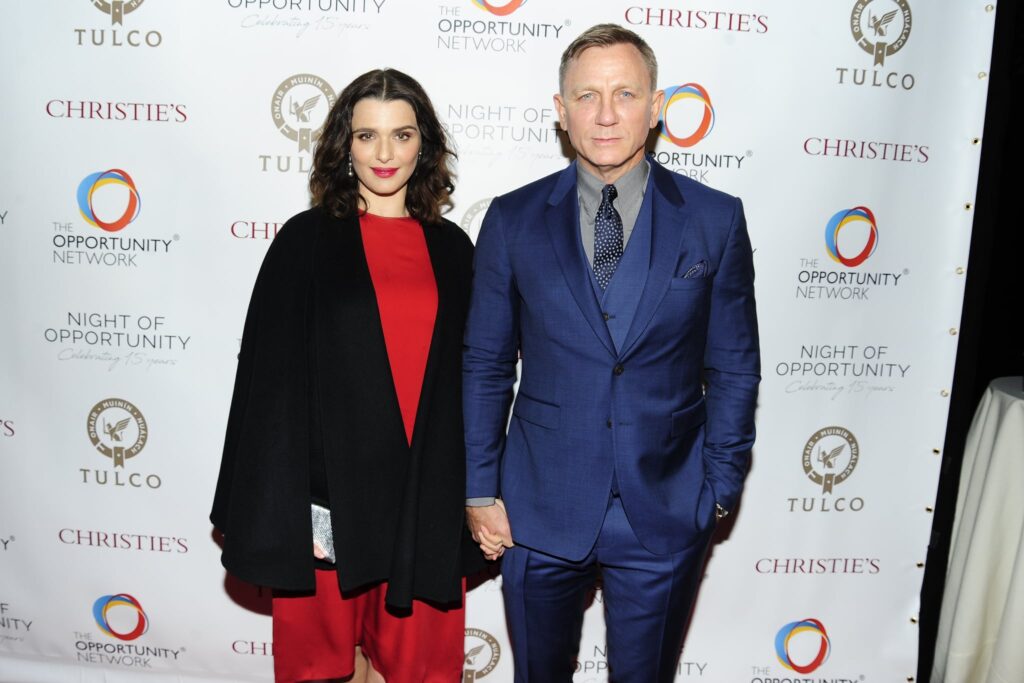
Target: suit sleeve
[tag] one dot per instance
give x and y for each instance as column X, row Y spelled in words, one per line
column 489, row 357
column 732, row 366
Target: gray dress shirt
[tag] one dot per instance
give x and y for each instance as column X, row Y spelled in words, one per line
column 631, row 188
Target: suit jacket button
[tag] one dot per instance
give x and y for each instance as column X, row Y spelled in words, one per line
column 618, row 369
column 608, row 424
column 606, row 317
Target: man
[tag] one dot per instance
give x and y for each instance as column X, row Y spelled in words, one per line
column 627, row 291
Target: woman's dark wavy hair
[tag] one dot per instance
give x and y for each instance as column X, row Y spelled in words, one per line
column 430, row 187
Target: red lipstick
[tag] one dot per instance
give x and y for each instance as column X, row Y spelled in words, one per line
column 384, row 172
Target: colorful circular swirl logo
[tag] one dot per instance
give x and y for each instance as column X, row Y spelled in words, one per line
column 108, row 602
column 94, row 181
column 688, row 91
column 842, row 219
column 500, row 10
column 787, row 632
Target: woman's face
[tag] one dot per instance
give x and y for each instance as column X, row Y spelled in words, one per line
column 385, row 144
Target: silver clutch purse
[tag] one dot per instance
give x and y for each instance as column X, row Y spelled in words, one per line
column 322, row 534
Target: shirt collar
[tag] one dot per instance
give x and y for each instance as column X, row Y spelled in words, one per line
column 589, row 186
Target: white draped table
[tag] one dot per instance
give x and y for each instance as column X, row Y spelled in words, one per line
column 981, row 628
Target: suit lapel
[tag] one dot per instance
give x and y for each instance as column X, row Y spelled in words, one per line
column 563, row 224
column 668, row 225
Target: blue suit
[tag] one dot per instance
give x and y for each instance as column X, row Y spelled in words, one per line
column 648, row 390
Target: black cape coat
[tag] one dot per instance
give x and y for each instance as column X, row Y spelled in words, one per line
column 313, row 375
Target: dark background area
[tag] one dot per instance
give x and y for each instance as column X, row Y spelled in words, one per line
column 991, row 337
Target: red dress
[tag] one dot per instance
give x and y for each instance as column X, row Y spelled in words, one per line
column 315, row 637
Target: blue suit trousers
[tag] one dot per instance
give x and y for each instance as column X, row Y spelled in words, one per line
column 647, row 601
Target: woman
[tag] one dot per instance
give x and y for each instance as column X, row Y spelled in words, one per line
column 348, row 395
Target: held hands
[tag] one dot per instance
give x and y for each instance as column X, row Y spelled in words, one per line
column 489, row 527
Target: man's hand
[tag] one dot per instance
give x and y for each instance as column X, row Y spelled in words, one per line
column 489, row 527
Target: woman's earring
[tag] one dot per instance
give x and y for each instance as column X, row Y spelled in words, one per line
column 350, row 173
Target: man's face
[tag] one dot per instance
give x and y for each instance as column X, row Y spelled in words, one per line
column 607, row 106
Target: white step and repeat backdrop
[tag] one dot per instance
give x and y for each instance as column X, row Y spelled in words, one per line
column 153, row 148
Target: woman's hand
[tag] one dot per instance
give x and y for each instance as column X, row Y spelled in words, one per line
column 318, row 552
column 490, row 528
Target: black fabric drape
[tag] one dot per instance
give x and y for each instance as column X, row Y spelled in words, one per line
column 314, row 381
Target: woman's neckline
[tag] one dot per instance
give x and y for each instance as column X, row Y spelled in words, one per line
column 388, row 218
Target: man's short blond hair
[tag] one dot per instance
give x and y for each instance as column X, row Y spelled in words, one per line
column 606, row 35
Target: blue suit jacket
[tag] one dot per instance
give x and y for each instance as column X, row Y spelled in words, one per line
column 671, row 412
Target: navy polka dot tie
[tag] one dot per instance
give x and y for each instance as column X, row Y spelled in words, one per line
column 607, row 237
